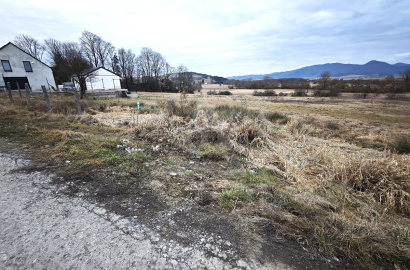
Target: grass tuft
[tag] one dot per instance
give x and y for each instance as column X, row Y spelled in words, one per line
column 184, row 108
column 401, row 144
column 228, row 199
column 277, row 117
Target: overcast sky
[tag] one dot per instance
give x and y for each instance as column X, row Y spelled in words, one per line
column 224, row 37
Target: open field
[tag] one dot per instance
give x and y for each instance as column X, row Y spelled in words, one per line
column 248, row 92
column 330, row 175
column 236, row 92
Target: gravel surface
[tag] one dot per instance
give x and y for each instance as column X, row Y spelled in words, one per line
column 44, row 229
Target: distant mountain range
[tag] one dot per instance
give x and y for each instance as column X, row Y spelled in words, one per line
column 373, row 69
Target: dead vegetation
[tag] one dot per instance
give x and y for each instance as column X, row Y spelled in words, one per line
column 316, row 172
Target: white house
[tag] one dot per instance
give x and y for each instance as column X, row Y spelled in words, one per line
column 101, row 78
column 17, row 66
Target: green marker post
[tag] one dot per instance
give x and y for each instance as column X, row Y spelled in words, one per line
column 138, row 110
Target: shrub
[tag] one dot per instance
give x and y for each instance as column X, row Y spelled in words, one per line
column 362, row 95
column 246, row 132
column 225, row 93
column 221, row 93
column 332, row 126
column 266, row 93
column 168, row 106
column 395, row 96
column 299, row 93
column 187, row 109
column 183, row 109
column 198, row 87
column 277, row 117
column 199, row 137
column 235, row 113
column 257, row 93
column 401, row 144
column 326, row 93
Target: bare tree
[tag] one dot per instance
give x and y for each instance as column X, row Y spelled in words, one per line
column 126, row 63
column 105, row 50
column 30, row 45
column 130, row 69
column 158, row 64
column 391, row 83
column 89, row 44
column 98, row 51
column 166, row 83
column 144, row 65
column 405, row 76
column 69, row 62
column 152, row 69
column 324, row 79
column 52, row 47
column 122, row 62
column 185, row 81
column 77, row 65
column 58, row 61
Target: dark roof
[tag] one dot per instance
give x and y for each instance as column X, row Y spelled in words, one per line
column 24, row 52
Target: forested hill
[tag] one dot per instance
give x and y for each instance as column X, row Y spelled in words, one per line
column 372, row 69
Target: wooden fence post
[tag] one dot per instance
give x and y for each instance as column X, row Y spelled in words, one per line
column 46, row 97
column 27, row 94
column 9, row 90
column 18, row 87
column 77, row 101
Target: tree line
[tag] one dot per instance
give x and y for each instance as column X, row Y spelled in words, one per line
column 148, row 71
column 270, row 83
column 328, row 86
column 389, row 84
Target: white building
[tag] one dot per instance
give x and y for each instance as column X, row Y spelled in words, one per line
column 19, row 67
column 101, row 79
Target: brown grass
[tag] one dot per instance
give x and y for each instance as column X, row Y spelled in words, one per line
column 350, row 201
column 364, row 193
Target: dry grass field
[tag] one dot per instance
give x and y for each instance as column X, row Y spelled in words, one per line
column 333, row 174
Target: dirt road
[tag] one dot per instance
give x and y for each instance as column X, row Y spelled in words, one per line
column 40, row 228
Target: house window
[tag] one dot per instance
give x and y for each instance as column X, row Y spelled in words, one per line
column 6, row 65
column 27, row 66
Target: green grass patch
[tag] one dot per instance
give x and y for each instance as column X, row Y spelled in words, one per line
column 70, row 137
column 263, row 176
column 93, row 150
column 167, row 162
column 228, row 198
